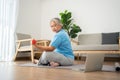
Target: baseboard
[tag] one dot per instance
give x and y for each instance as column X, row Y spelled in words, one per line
column 112, row 58
column 23, row 58
column 37, row 56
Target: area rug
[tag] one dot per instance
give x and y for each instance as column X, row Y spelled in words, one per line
column 42, row 66
column 75, row 67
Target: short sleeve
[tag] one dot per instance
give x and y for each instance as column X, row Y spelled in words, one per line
column 56, row 41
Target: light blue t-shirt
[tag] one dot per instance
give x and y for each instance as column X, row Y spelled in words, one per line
column 62, row 44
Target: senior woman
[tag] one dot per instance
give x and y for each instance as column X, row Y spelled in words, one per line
column 59, row 52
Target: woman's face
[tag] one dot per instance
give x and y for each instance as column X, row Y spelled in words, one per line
column 55, row 27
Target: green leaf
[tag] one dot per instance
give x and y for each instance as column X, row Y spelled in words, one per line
column 68, row 26
column 73, row 35
column 76, row 28
column 68, row 15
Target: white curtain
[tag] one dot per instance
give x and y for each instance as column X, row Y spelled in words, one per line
column 8, row 17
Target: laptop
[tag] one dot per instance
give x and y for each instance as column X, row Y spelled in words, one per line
column 94, row 62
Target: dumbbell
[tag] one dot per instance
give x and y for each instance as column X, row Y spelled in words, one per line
column 34, row 41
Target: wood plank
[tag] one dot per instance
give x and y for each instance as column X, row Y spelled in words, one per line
column 12, row 71
column 97, row 51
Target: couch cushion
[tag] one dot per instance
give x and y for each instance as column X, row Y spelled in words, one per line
column 22, row 36
column 96, row 47
column 87, row 39
column 110, row 38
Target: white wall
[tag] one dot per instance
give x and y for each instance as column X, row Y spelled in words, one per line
column 91, row 15
column 29, row 17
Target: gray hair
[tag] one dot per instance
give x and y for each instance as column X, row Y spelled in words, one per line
column 57, row 21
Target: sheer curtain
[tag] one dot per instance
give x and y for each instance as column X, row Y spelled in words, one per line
column 8, row 17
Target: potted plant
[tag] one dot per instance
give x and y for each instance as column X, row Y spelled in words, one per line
column 68, row 25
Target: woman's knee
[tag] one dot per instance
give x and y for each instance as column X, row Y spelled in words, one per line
column 46, row 55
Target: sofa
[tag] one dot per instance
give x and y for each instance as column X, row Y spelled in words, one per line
column 24, row 46
column 107, row 43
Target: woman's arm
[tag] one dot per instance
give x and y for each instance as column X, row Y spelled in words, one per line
column 45, row 48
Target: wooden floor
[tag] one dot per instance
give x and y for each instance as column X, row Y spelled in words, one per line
column 12, row 71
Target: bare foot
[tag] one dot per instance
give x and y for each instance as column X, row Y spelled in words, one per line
column 54, row 64
column 35, row 61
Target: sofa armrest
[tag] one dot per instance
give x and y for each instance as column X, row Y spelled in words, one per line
column 24, row 40
column 43, row 42
column 74, row 41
